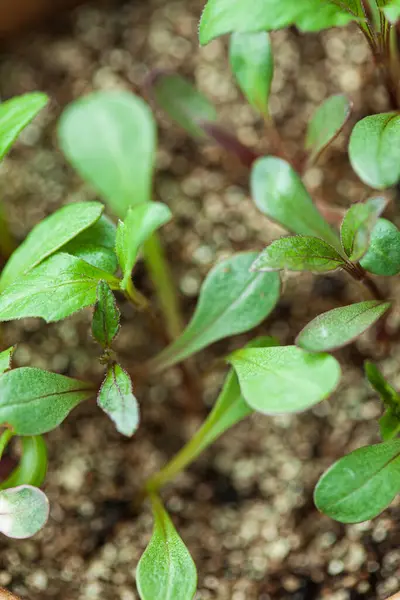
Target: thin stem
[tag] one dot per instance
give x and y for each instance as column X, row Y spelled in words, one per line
column 4, row 440
column 361, row 276
column 134, row 296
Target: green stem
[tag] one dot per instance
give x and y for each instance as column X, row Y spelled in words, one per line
column 7, row 242
column 134, row 296
column 4, row 440
column 161, row 276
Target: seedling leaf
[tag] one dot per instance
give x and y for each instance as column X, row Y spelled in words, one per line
column 96, row 245
column 392, row 11
column 5, row 359
column 16, row 114
column 118, row 402
column 389, row 425
column 24, row 510
column 357, row 226
column 105, row 323
column 390, row 398
column 326, row 124
column 383, row 254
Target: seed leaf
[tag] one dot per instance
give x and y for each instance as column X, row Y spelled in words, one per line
column 357, row 226
column 326, row 124
column 360, row 485
column 15, row 115
column 24, row 510
column 5, row 359
column 221, row 16
column 340, row 326
column 280, row 194
column 140, row 222
column 48, row 237
column 96, row 245
column 54, row 290
column 105, row 323
column 252, row 63
column 32, row 466
column 285, row 379
column 383, row 254
column 109, row 138
column 33, row 401
column 374, row 150
column 182, row 102
column 298, row 253
column 232, row 300
column 166, row 570
column 118, row 402
column 392, row 11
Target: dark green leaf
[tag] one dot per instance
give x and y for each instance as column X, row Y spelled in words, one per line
column 96, row 245
column 5, row 359
column 326, row 124
column 33, row 401
column 280, row 194
column 360, row 485
column 48, row 237
column 105, row 323
column 166, row 570
column 383, row 254
column 357, row 226
column 32, row 466
column 340, row 326
column 118, row 402
column 109, row 137
column 285, row 379
column 232, row 300
column 54, row 290
column 375, row 150
column 16, row 114
column 298, row 253
column 140, row 222
column 252, row 63
column 24, row 510
column 182, row 102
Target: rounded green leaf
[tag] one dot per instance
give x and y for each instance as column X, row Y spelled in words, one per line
column 232, row 300
column 32, row 467
column 96, row 245
column 383, row 254
column 252, row 63
column 357, row 225
column 340, row 326
column 24, row 510
column 16, row 114
column 109, row 138
column 326, row 124
column 392, row 11
column 285, row 379
column 280, row 194
column 360, row 485
column 374, row 150
column 117, row 400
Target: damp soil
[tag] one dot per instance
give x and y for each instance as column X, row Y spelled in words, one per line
column 245, row 508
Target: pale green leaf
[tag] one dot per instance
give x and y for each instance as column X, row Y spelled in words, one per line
column 383, row 254
column 359, row 486
column 16, row 114
column 326, row 124
column 392, row 11
column 24, row 510
column 32, row 466
column 357, row 226
column 96, row 245
column 109, row 137
column 340, row 326
column 48, row 237
column 106, row 316
column 118, row 402
column 5, row 359
column 166, row 570
column 285, row 379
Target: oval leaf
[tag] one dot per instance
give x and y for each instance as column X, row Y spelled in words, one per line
column 96, row 245
column 105, row 323
column 232, row 300
column 33, row 401
column 280, row 194
column 5, row 359
column 326, row 124
column 252, row 63
column 48, row 237
column 357, row 226
column 298, row 253
column 285, row 379
column 383, row 254
column 340, row 326
column 374, row 150
column 118, row 402
column 24, row 510
column 166, row 570
column 16, row 114
column 32, row 467
column 360, row 485
column 109, row 138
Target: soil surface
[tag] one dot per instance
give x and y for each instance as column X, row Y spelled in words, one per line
column 245, row 508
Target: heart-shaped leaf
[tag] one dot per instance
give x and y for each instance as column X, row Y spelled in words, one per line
column 357, row 226
column 118, row 402
column 16, row 114
column 280, row 194
column 340, row 326
column 383, row 254
column 166, row 570
column 96, row 245
column 232, row 300
column 298, row 253
column 48, row 237
column 285, row 379
column 374, row 150
column 24, row 510
column 105, row 323
column 360, row 485
column 140, row 222
column 109, row 138
column 32, row 466
column 326, row 124
column 252, row 63
column 54, row 290
column 33, row 401
column 5, row 359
